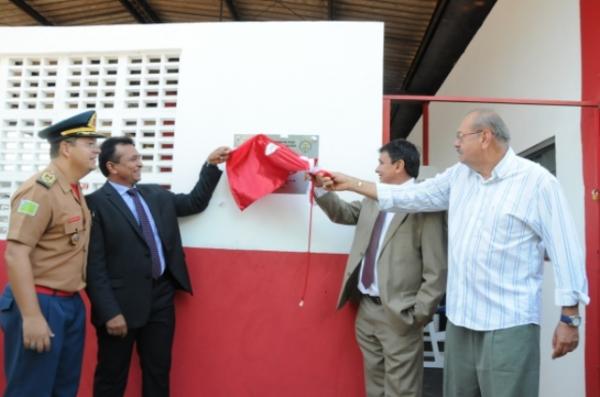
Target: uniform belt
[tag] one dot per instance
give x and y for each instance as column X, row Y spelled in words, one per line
column 375, row 299
column 40, row 289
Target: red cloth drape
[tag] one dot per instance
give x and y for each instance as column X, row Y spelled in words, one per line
column 260, row 166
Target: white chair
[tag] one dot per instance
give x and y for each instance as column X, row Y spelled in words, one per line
column 434, row 353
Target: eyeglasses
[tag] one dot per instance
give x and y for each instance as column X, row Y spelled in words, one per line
column 461, row 135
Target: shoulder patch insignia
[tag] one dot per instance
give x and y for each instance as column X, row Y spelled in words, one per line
column 47, row 179
column 28, row 207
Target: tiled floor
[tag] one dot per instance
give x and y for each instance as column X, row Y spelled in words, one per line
column 432, row 382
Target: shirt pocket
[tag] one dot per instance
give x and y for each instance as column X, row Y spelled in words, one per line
column 74, row 231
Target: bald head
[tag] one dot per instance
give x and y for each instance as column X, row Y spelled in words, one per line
column 488, row 119
column 482, row 140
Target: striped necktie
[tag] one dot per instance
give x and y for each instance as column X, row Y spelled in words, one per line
column 146, row 231
column 368, row 271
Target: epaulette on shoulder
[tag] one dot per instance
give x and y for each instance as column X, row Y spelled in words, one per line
column 46, row 179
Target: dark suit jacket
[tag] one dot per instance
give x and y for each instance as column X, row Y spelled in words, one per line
column 119, row 275
column 411, row 267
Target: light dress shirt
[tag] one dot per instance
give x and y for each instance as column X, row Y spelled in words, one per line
column 498, row 230
column 122, row 190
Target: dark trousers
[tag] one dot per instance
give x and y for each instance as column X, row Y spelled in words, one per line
column 153, row 342
column 52, row 373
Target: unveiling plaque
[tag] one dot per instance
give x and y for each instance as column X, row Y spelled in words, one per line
column 306, row 145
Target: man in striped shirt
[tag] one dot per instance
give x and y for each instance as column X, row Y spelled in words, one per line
column 504, row 212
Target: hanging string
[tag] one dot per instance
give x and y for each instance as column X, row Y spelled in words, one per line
column 309, row 245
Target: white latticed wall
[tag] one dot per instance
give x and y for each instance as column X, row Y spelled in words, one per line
column 134, row 95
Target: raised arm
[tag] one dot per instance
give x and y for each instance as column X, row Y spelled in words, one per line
column 197, row 200
column 428, row 196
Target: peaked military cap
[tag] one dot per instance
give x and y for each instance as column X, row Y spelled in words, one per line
column 82, row 125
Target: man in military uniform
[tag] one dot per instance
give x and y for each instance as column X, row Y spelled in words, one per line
column 41, row 312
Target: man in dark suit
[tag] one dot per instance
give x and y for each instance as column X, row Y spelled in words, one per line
column 397, row 271
column 135, row 264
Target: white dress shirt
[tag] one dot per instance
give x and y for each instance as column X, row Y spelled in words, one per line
column 498, row 230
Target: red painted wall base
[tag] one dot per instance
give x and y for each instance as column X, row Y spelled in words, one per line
column 243, row 333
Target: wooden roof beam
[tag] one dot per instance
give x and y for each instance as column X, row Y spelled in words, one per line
column 141, row 11
column 331, row 10
column 233, row 10
column 32, row 12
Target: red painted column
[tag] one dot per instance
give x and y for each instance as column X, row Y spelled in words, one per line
column 387, row 120
column 425, row 133
column 590, row 135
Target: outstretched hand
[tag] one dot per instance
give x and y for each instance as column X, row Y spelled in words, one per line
column 337, row 181
column 219, row 155
column 317, row 177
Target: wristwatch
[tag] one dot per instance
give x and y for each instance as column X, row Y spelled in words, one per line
column 571, row 321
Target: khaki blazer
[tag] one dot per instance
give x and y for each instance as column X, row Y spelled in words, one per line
column 412, row 264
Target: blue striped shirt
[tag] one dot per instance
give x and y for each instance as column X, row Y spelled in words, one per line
column 498, row 230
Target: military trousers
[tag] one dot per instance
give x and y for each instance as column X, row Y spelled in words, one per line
column 53, row 373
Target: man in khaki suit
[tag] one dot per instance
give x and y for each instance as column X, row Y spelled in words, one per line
column 396, row 270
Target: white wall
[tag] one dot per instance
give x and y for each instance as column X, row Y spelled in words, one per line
column 526, row 49
column 311, row 78
column 321, row 78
